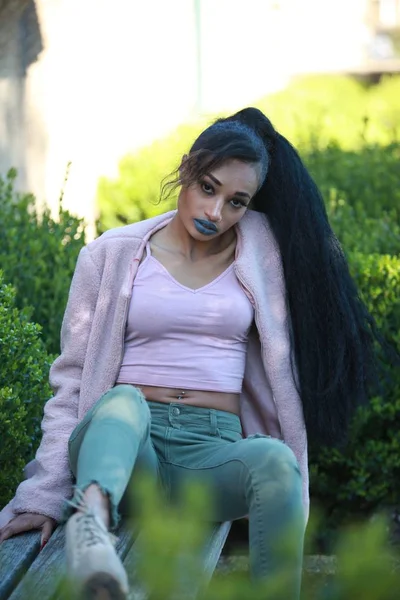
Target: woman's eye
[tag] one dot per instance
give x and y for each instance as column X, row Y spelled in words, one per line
column 207, row 188
column 238, row 203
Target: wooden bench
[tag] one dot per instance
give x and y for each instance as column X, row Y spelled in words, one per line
column 27, row 574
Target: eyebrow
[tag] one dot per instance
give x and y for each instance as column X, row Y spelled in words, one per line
column 242, row 194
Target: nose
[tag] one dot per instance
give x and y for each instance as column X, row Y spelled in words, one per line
column 214, row 211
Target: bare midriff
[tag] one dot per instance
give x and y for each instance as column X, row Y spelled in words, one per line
column 217, row 400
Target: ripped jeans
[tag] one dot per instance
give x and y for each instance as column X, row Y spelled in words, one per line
column 124, row 434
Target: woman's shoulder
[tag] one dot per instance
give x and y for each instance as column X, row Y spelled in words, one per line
column 252, row 220
column 255, row 229
column 131, row 234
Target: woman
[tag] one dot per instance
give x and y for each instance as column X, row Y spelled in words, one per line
column 202, row 345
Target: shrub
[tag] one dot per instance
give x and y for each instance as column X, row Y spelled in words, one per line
column 24, row 367
column 384, row 109
column 367, row 178
column 357, row 231
column 38, row 256
column 323, row 109
column 365, row 474
column 135, row 194
column 320, row 109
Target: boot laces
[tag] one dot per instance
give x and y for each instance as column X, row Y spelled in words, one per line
column 90, row 530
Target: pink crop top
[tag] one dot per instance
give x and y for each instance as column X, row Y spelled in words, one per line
column 182, row 338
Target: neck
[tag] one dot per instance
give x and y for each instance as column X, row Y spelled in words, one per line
column 175, row 238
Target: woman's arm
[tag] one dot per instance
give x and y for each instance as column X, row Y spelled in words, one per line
column 45, row 491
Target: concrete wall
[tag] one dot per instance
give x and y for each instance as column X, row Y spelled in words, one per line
column 112, row 76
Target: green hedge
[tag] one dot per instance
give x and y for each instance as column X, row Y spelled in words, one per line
column 366, row 474
column 24, row 368
column 135, row 194
column 366, row 178
column 323, row 109
column 320, row 110
column 38, row 255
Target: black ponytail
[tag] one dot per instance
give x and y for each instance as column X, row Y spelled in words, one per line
column 332, row 334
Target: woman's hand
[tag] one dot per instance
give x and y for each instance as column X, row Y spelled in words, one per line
column 26, row 522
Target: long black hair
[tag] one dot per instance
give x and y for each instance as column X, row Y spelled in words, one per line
column 332, row 334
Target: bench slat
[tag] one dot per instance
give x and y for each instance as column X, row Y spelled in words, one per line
column 214, row 548
column 45, row 570
column 130, row 564
column 16, row 556
column 44, row 575
column 126, row 537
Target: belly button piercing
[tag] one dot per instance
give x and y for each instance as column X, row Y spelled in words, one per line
column 180, row 395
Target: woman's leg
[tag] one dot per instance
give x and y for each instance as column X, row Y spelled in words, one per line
column 104, row 449
column 258, row 477
column 268, row 488
column 106, row 445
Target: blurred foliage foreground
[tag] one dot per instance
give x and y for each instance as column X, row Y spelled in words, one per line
column 168, row 560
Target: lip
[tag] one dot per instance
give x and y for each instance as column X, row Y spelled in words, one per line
column 205, row 227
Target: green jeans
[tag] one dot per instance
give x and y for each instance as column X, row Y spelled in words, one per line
column 124, row 434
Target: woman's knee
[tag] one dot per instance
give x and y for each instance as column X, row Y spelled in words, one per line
column 123, row 402
column 271, row 459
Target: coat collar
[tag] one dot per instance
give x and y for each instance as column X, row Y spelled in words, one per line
column 252, row 224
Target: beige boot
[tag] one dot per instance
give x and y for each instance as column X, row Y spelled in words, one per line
column 93, row 565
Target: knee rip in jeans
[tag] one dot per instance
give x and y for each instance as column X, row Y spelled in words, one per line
column 278, row 453
column 128, row 407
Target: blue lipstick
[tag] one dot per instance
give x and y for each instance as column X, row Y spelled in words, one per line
column 205, row 227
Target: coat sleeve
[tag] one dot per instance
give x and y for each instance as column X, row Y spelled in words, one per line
column 45, row 490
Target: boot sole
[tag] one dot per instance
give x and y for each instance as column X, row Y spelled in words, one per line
column 102, row 586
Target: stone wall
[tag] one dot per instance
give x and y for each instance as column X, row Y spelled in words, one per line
column 21, row 135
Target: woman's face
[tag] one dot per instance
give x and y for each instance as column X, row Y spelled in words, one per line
column 211, row 206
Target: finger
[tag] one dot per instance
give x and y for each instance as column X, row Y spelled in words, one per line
column 47, row 530
column 5, row 534
column 2, row 535
column 17, row 525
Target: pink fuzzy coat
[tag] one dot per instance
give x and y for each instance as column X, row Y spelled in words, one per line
column 92, row 345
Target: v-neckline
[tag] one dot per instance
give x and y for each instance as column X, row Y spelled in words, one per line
column 185, row 287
